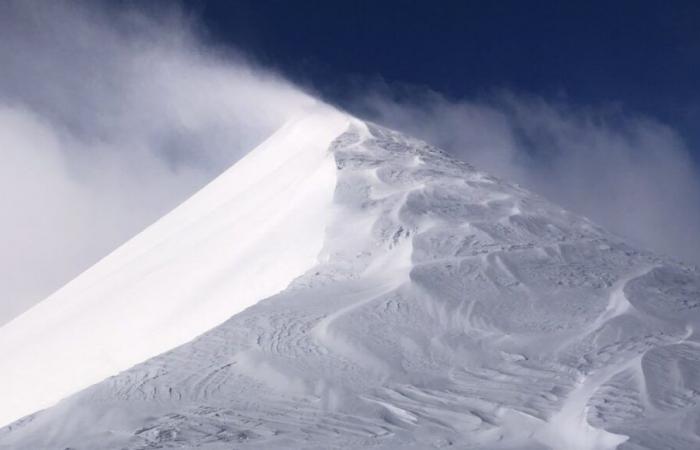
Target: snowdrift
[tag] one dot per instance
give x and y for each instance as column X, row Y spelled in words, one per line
column 346, row 286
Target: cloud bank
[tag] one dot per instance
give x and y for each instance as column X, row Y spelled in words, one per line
column 109, row 118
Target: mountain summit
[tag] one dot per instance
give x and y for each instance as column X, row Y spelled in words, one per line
column 346, row 286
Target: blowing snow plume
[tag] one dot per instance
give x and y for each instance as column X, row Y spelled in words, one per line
column 109, row 119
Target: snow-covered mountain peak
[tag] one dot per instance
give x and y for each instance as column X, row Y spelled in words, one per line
column 395, row 298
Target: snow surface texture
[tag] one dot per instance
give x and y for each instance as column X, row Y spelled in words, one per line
column 412, row 302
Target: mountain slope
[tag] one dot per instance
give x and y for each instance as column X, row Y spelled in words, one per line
column 242, row 238
column 438, row 306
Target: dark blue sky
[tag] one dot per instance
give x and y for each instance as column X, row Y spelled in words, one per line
column 642, row 55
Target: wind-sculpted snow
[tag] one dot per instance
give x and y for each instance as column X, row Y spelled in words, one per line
column 447, row 308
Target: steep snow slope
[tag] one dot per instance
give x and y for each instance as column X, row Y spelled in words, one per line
column 244, row 237
column 446, row 308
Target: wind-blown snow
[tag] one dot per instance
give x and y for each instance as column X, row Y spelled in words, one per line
column 422, row 304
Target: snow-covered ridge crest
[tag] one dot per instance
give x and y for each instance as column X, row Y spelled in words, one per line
column 242, row 238
column 443, row 307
